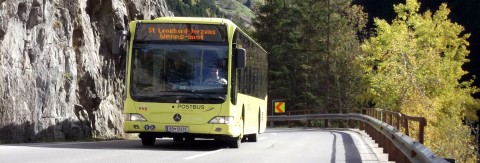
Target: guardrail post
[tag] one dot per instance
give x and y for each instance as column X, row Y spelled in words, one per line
column 288, row 122
column 386, row 141
column 392, row 151
column 398, row 116
column 306, row 112
column 381, row 140
column 378, row 134
column 374, row 134
column 405, row 125
column 390, row 119
column 326, row 120
column 400, row 157
column 341, row 122
column 369, row 130
column 421, row 128
column 351, row 123
column 362, row 124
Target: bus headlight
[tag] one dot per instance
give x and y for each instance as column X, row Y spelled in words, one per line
column 221, row 120
column 134, row 117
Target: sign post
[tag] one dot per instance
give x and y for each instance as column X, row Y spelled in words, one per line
column 278, row 107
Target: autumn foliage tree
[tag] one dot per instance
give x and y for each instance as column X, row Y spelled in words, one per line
column 414, row 65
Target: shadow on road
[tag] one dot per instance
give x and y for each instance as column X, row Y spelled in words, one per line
column 197, row 145
column 352, row 155
column 160, row 144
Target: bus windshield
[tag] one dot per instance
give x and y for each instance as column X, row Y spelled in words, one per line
column 172, row 72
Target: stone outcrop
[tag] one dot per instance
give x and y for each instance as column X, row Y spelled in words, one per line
column 58, row 78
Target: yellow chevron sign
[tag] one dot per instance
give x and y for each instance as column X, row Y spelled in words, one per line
column 279, row 106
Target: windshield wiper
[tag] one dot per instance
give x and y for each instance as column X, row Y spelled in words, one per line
column 207, row 97
column 149, row 98
column 178, row 95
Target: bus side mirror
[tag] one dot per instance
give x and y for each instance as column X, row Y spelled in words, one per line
column 119, row 42
column 241, row 57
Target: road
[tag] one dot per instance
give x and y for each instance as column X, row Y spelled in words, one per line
column 276, row 145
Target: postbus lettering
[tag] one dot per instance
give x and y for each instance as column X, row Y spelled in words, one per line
column 187, row 106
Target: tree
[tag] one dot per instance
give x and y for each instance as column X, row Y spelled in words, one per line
column 413, row 65
column 311, row 64
column 331, row 46
column 277, row 31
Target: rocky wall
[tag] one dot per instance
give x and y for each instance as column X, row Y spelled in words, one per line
column 58, row 78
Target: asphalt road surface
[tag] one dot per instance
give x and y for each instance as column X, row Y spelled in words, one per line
column 276, row 146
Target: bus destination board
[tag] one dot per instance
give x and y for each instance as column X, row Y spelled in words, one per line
column 180, row 32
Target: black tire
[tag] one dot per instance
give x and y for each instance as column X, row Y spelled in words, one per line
column 177, row 139
column 148, row 140
column 234, row 143
column 190, row 139
column 253, row 137
column 244, row 139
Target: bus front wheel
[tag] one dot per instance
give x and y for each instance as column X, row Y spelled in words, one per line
column 148, row 140
column 234, row 143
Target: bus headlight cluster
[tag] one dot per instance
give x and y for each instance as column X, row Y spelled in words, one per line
column 221, row 120
column 134, row 117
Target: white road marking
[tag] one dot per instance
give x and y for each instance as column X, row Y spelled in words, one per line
column 202, row 154
column 262, row 138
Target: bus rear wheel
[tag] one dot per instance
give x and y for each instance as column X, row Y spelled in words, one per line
column 252, row 137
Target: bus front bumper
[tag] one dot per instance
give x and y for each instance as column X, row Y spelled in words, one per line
column 184, row 130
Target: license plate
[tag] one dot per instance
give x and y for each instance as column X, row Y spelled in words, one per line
column 177, row 129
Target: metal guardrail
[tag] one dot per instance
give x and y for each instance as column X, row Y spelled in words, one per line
column 398, row 120
column 399, row 146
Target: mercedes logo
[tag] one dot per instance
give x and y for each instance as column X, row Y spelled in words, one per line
column 177, row 117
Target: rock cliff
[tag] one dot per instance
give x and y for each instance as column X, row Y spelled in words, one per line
column 58, row 78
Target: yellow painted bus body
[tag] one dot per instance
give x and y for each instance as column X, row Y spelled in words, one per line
column 249, row 113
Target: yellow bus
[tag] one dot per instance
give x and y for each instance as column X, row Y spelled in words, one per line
column 193, row 78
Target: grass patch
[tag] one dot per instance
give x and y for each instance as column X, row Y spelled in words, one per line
column 233, row 7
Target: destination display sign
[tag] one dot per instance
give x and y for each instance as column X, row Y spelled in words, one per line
column 180, row 32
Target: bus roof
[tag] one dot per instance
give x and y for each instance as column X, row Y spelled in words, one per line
column 197, row 20
column 200, row 20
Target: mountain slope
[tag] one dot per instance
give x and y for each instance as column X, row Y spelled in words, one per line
column 240, row 11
